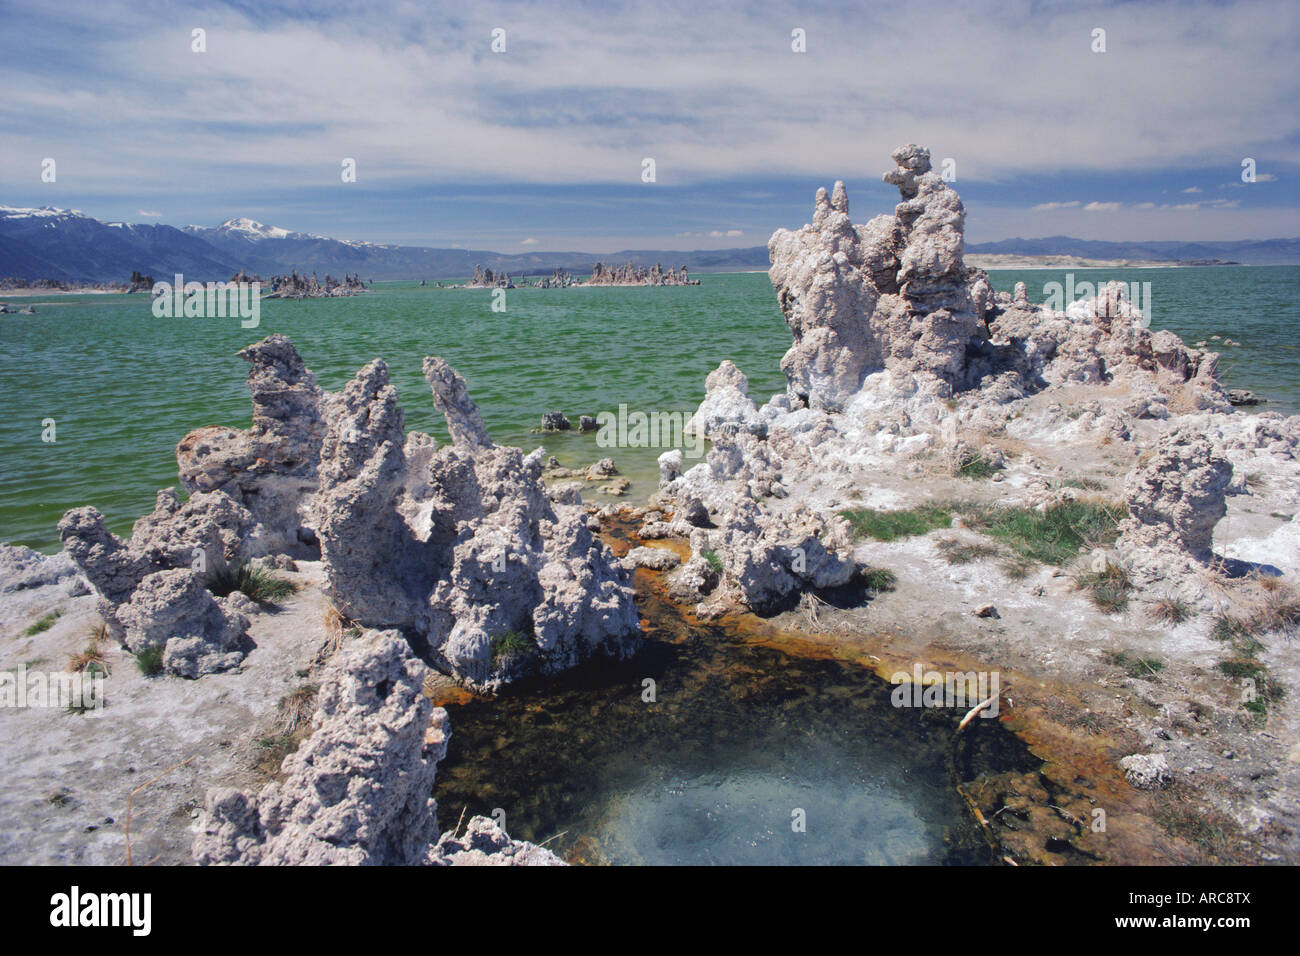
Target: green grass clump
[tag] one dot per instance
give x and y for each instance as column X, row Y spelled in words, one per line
column 891, row 525
column 1240, row 669
column 1142, row 668
column 1107, row 589
column 955, row 551
column 878, row 579
column 44, row 624
column 977, row 467
column 1170, row 610
column 1055, row 536
column 150, row 660
column 1083, row 484
column 258, row 584
column 510, row 645
column 715, row 562
column 1240, row 632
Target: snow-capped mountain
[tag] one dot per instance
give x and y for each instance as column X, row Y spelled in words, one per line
column 51, row 243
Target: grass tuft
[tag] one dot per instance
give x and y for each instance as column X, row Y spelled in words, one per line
column 1141, row 668
column 956, row 551
column 892, row 525
column 1108, row 589
column 295, row 708
column 1017, row 568
column 1055, row 535
column 509, row 646
column 43, row 624
column 258, row 584
column 976, row 467
column 878, row 579
column 150, row 660
column 1170, row 610
column 715, row 562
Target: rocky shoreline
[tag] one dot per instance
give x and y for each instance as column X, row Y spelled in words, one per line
column 952, row 473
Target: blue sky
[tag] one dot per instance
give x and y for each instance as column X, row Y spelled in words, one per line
column 541, row 146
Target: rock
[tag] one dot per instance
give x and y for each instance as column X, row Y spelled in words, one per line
column 670, row 466
column 486, row 844
column 451, row 398
column 269, row 468
column 566, row 492
column 555, row 422
column 1174, row 501
column 357, row 791
column 693, row 581
column 462, row 544
column 693, row 512
column 889, row 294
column 22, row 568
column 1241, row 396
column 148, row 591
column 727, row 406
column 1146, row 771
column 586, row 423
column 602, row 469
column 656, row 559
column 172, row 611
column 987, row 610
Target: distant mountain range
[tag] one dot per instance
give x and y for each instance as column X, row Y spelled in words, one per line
column 64, row 244
column 1253, row 252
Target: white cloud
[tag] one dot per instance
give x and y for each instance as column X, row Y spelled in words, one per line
column 148, row 215
column 393, row 87
column 1192, row 189
column 530, row 241
column 1101, row 207
column 1048, row 206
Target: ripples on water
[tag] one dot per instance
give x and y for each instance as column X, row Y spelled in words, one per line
column 124, row 387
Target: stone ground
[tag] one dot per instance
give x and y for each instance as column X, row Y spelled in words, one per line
column 68, row 776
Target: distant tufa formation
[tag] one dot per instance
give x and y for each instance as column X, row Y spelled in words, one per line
column 294, row 286
column 628, row 274
column 631, row 274
column 459, row 546
column 487, row 279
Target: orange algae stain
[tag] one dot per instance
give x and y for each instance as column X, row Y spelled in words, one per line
column 1046, row 816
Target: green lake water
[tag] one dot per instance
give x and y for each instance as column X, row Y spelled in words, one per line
column 123, row 386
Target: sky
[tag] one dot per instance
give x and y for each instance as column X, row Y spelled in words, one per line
column 542, row 146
